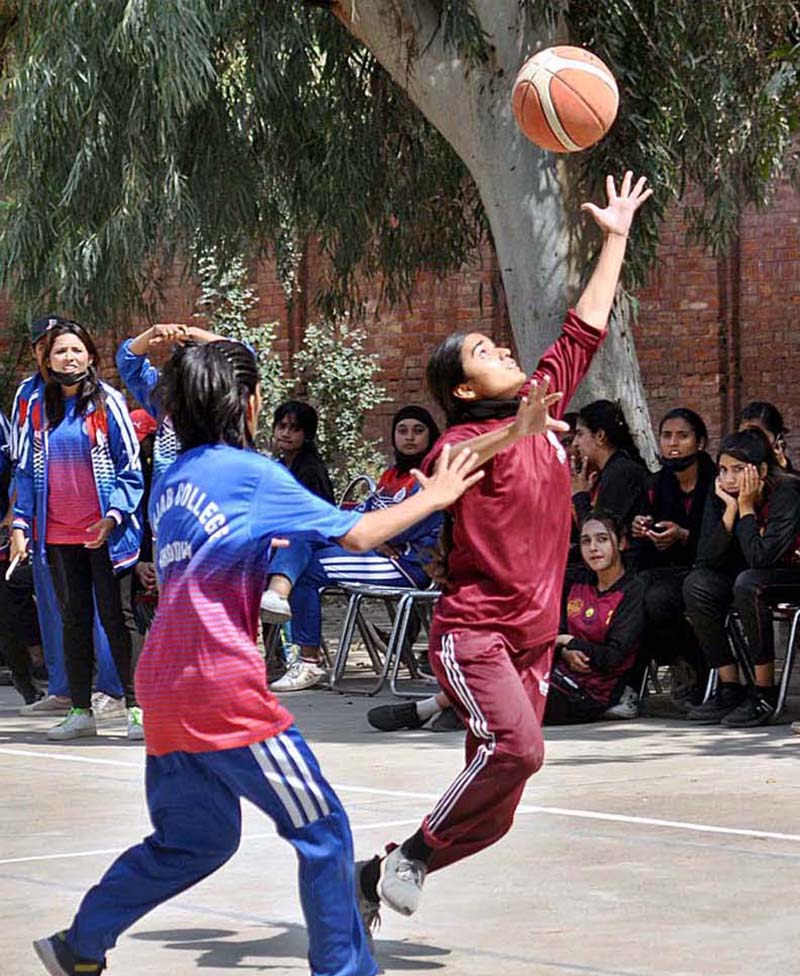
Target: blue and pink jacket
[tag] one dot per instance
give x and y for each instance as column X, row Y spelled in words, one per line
column 115, row 466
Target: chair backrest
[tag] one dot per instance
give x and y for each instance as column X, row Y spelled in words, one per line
column 359, row 487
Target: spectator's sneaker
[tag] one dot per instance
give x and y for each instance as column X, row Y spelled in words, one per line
column 723, row 701
column 796, row 727
column 626, row 708
column 686, row 699
column 6, row 676
column 30, row 693
column 392, row 718
column 299, row 675
column 447, row 721
column 275, row 609
column 79, row 722
column 105, row 708
column 59, row 960
column 401, row 885
column 49, row 705
column 368, row 909
column 135, row 726
column 754, row 710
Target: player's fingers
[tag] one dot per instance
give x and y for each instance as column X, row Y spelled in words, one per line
column 474, row 478
column 627, row 179
column 421, row 479
column 552, row 398
column 639, row 187
column 611, row 188
column 559, row 425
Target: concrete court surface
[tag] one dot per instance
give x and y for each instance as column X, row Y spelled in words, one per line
column 646, row 848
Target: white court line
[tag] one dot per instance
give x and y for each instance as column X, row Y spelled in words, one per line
column 522, row 809
column 383, row 825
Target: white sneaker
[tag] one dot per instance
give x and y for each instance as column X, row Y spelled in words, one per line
column 275, row 609
column 49, row 705
column 627, row 707
column 401, row 885
column 796, row 727
column 105, row 708
column 135, row 726
column 78, row 723
column 299, row 675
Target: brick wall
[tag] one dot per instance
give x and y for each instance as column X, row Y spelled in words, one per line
column 713, row 333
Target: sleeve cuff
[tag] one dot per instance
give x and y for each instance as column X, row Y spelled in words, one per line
column 20, row 523
column 112, row 513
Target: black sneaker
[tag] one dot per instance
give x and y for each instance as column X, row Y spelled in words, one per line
column 28, row 690
column 447, row 721
column 59, row 960
column 391, row 718
column 686, row 699
column 726, row 698
column 754, row 710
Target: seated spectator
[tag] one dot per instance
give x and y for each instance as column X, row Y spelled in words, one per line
column 665, row 539
column 601, row 628
column 611, row 475
column 304, row 568
column 80, row 507
column 294, row 443
column 765, row 417
column 747, row 560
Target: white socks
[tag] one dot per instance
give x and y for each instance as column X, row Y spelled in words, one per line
column 427, row 707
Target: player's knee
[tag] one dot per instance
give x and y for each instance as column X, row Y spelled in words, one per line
column 225, row 844
column 526, row 758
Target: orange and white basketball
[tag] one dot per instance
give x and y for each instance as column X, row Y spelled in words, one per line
column 565, row 99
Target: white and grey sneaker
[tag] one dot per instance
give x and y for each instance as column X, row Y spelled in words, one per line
column 275, row 608
column 49, row 705
column 78, row 723
column 105, row 708
column 627, row 707
column 401, row 885
column 299, row 675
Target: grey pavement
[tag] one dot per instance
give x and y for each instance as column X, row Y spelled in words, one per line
column 645, row 848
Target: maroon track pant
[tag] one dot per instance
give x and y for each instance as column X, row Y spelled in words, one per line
column 501, row 694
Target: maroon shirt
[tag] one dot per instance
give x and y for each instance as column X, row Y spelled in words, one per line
column 511, row 530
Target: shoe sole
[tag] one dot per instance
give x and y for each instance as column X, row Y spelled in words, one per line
column 46, row 712
column 47, row 957
column 83, row 734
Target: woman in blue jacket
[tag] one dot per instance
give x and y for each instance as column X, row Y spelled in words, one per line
column 79, row 484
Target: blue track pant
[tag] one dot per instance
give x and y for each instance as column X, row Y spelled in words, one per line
column 49, row 614
column 194, row 802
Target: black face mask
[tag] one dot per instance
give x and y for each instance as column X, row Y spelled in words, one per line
column 679, row 463
column 67, row 379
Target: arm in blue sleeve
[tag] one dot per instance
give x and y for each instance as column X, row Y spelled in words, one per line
column 129, row 487
column 139, row 375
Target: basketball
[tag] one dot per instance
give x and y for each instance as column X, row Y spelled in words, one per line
column 565, row 99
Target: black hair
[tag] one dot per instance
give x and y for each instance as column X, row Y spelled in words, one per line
column 444, row 372
column 305, row 416
column 764, row 413
column 570, row 418
column 608, row 417
column 694, row 420
column 750, row 446
column 90, row 392
column 205, row 390
column 609, row 520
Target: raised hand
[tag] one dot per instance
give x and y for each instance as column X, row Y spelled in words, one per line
column 533, row 416
column 617, row 216
column 168, row 332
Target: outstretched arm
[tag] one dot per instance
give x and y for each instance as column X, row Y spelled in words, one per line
column 615, row 219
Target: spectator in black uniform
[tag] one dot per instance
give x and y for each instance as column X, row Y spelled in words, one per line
column 601, row 627
column 294, row 433
column 747, row 559
column 665, row 537
column 764, row 416
column 612, row 475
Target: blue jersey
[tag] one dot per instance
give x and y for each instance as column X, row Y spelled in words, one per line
column 201, row 679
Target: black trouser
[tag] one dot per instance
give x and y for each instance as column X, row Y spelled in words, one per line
column 80, row 576
column 568, row 703
column 19, row 628
column 711, row 594
column 668, row 634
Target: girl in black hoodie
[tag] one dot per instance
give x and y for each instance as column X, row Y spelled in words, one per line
column 747, row 559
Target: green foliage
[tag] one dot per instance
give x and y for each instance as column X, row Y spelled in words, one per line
column 225, row 301
column 338, row 378
column 134, row 129
column 333, row 372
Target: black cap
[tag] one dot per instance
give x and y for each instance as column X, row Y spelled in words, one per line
column 42, row 326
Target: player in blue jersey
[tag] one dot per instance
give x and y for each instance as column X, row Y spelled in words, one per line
column 214, row 732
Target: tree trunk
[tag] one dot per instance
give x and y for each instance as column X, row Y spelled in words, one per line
column 524, row 190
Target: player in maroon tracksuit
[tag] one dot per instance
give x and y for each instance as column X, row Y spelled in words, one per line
column 491, row 642
column 602, row 621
